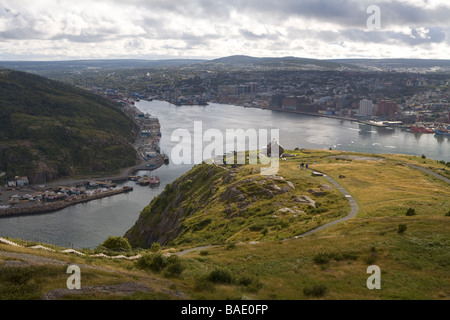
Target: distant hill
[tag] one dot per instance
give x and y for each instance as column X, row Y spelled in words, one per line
column 387, row 64
column 49, row 67
column 287, row 62
column 50, row 130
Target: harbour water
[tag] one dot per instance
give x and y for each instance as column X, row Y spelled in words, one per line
column 89, row 224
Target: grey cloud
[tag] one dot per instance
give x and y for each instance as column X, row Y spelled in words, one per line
column 346, row 13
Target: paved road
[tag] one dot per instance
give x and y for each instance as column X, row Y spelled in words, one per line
column 430, row 172
column 353, row 210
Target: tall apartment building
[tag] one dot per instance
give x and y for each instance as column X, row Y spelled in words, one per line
column 365, row 108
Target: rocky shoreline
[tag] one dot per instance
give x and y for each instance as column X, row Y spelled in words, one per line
column 55, row 206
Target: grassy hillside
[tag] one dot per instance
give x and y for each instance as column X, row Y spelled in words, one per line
column 329, row 264
column 217, row 204
column 47, row 127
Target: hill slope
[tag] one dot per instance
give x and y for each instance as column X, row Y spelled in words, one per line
column 283, row 62
column 50, row 130
column 217, row 204
column 329, row 264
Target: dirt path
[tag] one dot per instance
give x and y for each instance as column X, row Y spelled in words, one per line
column 353, row 210
column 430, row 172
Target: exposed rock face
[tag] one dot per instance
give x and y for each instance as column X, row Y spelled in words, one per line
column 305, row 200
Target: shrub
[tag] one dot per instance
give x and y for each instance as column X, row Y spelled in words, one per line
column 410, row 212
column 251, row 284
column 316, row 290
column 401, row 228
column 175, row 266
column 203, row 284
column 155, row 247
column 204, row 252
column 220, row 276
column 155, row 262
column 116, row 243
column 321, row 258
column 424, row 156
column 447, row 214
column 231, row 246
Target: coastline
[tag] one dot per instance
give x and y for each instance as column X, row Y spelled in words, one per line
column 146, row 164
column 45, row 208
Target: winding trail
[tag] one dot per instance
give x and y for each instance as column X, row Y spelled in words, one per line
column 353, row 210
column 430, row 172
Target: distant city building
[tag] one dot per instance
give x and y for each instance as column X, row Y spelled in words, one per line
column 228, row 90
column 250, row 88
column 416, row 82
column 289, row 103
column 386, row 108
column 365, row 108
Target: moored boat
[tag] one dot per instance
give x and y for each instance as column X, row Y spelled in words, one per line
column 420, row 128
column 442, row 132
column 154, row 181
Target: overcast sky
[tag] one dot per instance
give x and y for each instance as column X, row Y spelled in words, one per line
column 159, row 29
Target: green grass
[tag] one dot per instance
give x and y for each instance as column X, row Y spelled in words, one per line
column 330, row 264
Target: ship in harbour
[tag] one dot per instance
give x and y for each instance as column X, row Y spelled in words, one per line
column 421, row 128
column 443, row 131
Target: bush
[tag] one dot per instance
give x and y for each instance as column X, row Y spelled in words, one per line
column 155, row 247
column 321, row 258
column 175, row 266
column 251, row 284
column 203, row 284
column 401, row 228
column 447, row 214
column 204, row 252
column 316, row 290
column 220, row 276
column 155, row 262
column 424, row 156
column 410, row 212
column 116, row 244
